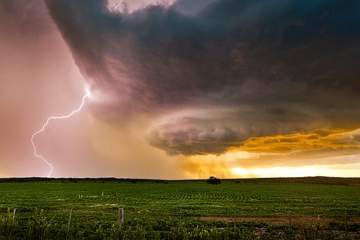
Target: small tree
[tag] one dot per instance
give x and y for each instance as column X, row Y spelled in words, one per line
column 213, row 180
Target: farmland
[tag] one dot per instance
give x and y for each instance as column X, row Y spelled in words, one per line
column 161, row 205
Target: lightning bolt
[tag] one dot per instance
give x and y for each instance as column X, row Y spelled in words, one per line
column 118, row 5
column 47, row 122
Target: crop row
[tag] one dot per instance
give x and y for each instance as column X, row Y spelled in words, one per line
column 197, row 199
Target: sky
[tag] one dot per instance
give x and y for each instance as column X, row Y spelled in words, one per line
column 180, row 89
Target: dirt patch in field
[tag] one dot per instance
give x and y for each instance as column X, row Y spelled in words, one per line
column 301, row 221
column 307, row 227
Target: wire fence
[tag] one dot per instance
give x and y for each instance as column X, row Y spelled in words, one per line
column 41, row 226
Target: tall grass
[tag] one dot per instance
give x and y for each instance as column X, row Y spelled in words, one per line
column 40, row 226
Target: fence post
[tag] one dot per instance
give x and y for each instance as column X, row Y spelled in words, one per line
column 317, row 227
column 234, row 222
column 121, row 221
column 67, row 233
column 14, row 214
column 290, row 219
column 346, row 232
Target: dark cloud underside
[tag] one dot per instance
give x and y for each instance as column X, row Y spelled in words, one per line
column 257, row 68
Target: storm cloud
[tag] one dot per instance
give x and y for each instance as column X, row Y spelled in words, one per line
column 249, row 68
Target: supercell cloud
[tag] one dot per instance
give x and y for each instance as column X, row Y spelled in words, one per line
column 221, row 72
column 181, row 88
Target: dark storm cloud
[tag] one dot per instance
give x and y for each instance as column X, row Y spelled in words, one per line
column 190, row 7
column 30, row 17
column 292, row 64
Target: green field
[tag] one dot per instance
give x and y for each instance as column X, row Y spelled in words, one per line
column 95, row 203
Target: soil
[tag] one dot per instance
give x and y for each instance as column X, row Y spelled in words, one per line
column 308, row 227
column 300, row 221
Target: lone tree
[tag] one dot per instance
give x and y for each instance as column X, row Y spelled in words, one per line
column 213, row 180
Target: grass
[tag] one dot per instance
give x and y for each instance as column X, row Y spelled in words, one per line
column 161, row 206
column 149, row 199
